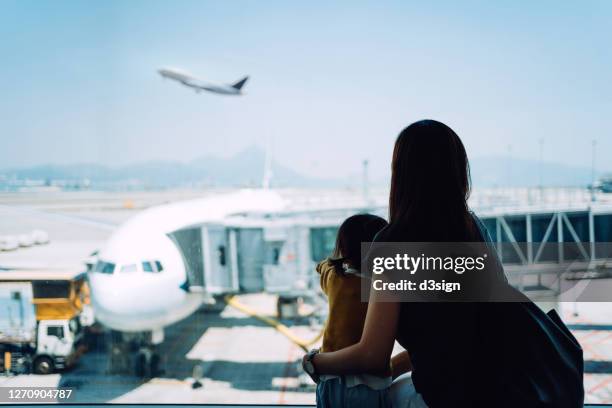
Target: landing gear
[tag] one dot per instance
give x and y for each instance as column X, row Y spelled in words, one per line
column 147, row 362
column 135, row 353
column 120, row 351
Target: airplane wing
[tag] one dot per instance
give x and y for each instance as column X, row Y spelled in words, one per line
column 198, row 85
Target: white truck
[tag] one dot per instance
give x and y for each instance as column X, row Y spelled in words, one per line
column 29, row 344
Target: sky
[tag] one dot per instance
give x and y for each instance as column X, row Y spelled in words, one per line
column 330, row 84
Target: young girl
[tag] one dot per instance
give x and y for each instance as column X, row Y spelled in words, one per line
column 341, row 282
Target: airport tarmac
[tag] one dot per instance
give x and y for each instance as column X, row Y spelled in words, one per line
column 243, row 359
column 246, row 361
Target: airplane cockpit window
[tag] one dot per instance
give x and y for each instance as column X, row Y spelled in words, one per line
column 104, row 267
column 129, row 268
column 152, row 266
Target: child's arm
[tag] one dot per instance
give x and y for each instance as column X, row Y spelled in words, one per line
column 400, row 364
column 323, row 269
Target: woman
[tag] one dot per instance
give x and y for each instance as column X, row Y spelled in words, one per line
column 451, row 353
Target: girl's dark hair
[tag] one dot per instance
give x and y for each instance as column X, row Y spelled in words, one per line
column 430, row 185
column 353, row 231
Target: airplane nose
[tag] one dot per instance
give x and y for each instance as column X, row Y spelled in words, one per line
column 138, row 303
column 116, row 297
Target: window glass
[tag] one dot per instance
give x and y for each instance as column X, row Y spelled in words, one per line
column 104, row 267
column 322, row 242
column 129, row 268
column 51, row 289
column 74, row 325
column 221, row 255
column 57, row 331
column 169, row 229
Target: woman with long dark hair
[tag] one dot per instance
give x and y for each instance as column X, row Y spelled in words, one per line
column 430, row 185
column 450, row 351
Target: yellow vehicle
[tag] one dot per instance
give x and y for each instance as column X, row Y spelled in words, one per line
column 42, row 314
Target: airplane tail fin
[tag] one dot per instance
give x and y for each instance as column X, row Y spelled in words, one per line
column 238, row 85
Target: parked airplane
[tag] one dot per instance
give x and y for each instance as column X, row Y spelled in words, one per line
column 199, row 85
column 163, row 263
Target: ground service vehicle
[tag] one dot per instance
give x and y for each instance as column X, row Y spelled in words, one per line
column 42, row 315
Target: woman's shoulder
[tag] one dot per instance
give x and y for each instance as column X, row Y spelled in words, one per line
column 481, row 228
column 384, row 235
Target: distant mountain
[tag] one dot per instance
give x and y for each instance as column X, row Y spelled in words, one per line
column 513, row 172
column 244, row 169
column 247, row 168
column 501, row 171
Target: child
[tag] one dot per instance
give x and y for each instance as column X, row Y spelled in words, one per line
column 341, row 282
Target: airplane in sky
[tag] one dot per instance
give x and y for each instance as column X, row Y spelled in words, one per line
column 199, row 85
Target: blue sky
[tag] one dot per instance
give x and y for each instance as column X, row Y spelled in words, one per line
column 330, row 84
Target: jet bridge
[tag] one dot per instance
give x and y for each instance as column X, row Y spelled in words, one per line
column 536, row 242
column 277, row 253
column 255, row 254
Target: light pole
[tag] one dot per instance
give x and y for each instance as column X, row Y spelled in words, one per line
column 540, row 165
column 366, row 194
column 593, row 172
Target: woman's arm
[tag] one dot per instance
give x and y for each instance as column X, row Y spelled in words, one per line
column 324, row 268
column 373, row 352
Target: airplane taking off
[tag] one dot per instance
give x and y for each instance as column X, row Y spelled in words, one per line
column 199, row 85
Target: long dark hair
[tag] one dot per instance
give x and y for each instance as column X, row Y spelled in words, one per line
column 430, row 185
column 353, row 231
